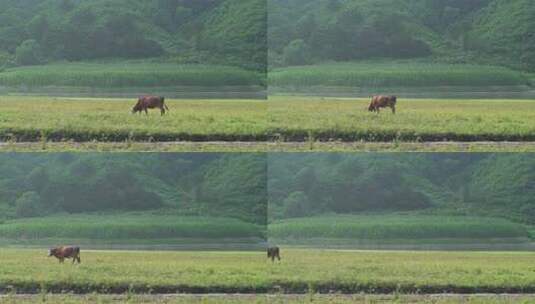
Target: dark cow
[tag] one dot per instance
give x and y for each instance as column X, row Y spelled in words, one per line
column 150, row 102
column 65, row 252
column 383, row 102
column 272, row 253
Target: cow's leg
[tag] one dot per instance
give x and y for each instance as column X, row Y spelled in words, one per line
column 162, row 111
column 146, row 111
column 393, row 109
column 61, row 260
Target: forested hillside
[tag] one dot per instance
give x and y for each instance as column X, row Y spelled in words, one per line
column 498, row 32
column 228, row 32
column 496, row 185
column 36, row 185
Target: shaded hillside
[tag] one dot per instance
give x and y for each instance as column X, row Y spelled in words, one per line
column 40, row 31
column 34, row 185
column 485, row 31
column 498, row 185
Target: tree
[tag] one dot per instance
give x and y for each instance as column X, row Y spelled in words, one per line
column 296, row 53
column 28, row 53
column 28, row 205
column 295, row 205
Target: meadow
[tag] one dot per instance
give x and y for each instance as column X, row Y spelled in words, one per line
column 282, row 119
column 395, row 74
column 128, row 229
column 416, row 120
column 300, row 271
column 111, row 120
column 128, row 74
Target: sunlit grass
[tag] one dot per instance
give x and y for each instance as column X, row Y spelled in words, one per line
column 307, row 270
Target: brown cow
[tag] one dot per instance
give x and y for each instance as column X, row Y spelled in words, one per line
column 383, row 102
column 150, row 102
column 273, row 252
column 65, row 252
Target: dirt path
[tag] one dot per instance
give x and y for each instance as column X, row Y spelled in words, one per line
column 220, row 146
column 271, row 298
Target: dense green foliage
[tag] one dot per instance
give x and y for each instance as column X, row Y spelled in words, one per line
column 378, row 75
column 300, row 271
column 212, row 31
column 156, row 227
column 36, row 185
column 496, row 185
column 487, row 31
column 128, row 74
column 396, row 227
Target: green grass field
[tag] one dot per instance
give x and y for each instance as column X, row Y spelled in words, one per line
column 395, row 74
column 141, row 228
column 392, row 227
column 420, row 120
column 46, row 118
column 300, row 271
column 282, row 119
column 128, row 74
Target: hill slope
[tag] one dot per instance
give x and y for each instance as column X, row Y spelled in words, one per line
column 485, row 31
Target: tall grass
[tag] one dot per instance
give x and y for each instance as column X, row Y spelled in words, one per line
column 128, row 74
column 300, row 271
column 127, row 226
column 416, row 120
column 111, row 120
column 395, row 74
column 379, row 227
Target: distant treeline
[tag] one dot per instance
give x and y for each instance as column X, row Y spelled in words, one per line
column 496, row 185
column 456, row 31
column 190, row 31
column 225, row 185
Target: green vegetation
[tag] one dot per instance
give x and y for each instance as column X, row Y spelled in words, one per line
column 248, row 272
column 128, row 74
column 396, row 226
column 382, row 74
column 311, row 119
column 62, row 119
column 110, row 186
column 284, row 119
column 121, row 228
column 404, row 195
column 220, row 32
column 496, row 32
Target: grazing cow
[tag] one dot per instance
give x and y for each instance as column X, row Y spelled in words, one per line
column 150, row 102
column 383, row 102
column 65, row 252
column 273, row 252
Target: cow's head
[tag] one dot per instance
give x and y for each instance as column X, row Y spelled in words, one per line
column 393, row 99
column 51, row 251
column 371, row 108
column 136, row 108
